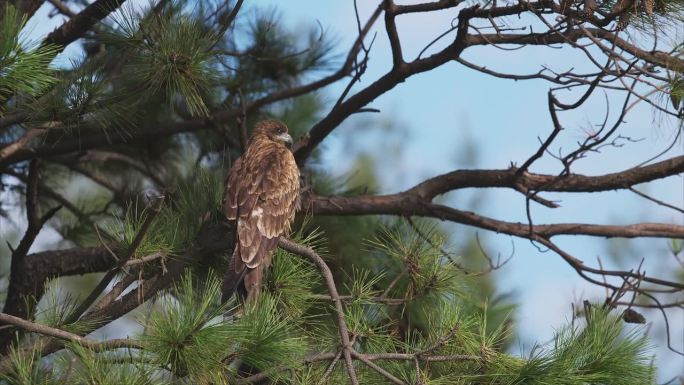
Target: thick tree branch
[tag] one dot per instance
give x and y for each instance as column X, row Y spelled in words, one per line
column 20, row 143
column 62, row 8
column 509, row 178
column 77, row 261
column 17, row 302
column 417, row 201
column 211, row 241
column 406, row 204
column 80, row 24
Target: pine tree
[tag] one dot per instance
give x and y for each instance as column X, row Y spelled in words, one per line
column 124, row 151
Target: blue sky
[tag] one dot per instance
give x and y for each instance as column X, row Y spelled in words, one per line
column 452, row 110
column 452, row 107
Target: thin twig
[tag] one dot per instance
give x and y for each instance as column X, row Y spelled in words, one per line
column 106, row 280
column 383, row 372
column 332, row 289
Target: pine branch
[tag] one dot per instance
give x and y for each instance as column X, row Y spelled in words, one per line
column 152, row 212
column 304, row 251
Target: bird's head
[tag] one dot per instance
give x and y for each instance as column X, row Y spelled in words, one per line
column 274, row 130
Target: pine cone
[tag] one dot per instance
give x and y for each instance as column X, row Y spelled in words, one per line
column 648, row 7
column 564, row 6
column 659, row 6
column 623, row 21
column 633, row 317
column 589, row 8
column 622, row 6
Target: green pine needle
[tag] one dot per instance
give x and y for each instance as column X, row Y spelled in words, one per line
column 187, row 334
column 58, row 308
column 266, row 338
column 195, row 199
column 24, row 67
column 26, row 369
column 170, row 55
column 88, row 367
column 291, row 281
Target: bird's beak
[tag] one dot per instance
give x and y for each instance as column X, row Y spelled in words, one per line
column 285, row 138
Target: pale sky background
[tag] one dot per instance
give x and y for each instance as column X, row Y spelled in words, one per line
column 452, row 110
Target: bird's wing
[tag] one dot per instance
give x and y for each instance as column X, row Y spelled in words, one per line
column 230, row 203
column 263, row 192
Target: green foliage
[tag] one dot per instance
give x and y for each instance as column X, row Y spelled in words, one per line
column 428, row 270
column 267, row 338
column 23, row 66
column 601, row 352
column 277, row 57
column 677, row 92
column 185, row 334
column 190, row 336
column 26, row 369
column 179, row 220
column 291, row 281
column 58, row 308
column 83, row 99
column 195, row 339
column 169, row 55
column 87, row 367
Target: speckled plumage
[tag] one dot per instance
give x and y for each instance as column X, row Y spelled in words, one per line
column 262, row 195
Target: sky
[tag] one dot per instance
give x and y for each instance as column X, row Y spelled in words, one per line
column 454, row 110
column 441, row 118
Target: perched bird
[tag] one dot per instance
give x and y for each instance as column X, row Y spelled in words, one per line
column 262, row 195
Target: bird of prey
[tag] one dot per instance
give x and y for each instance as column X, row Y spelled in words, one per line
column 262, row 195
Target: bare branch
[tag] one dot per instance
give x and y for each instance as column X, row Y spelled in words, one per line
column 80, row 24
column 392, row 34
column 18, row 301
column 404, row 204
column 554, row 133
column 659, row 58
column 427, row 7
column 64, row 335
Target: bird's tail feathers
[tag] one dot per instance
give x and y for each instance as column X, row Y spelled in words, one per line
column 234, row 277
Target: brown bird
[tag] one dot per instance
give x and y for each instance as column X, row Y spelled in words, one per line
column 262, row 195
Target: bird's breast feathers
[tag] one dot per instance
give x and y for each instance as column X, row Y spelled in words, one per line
column 262, row 193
